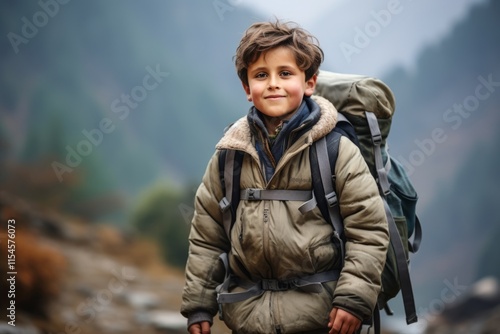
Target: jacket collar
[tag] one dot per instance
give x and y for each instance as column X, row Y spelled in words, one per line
column 307, row 113
column 239, row 135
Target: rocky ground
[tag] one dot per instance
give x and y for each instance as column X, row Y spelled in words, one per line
column 75, row 277
column 476, row 312
column 105, row 281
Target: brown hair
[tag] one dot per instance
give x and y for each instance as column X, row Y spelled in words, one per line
column 261, row 37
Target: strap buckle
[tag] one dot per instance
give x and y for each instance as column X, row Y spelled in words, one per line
column 377, row 138
column 331, row 198
column 275, row 285
column 224, row 204
column 386, row 191
column 253, row 194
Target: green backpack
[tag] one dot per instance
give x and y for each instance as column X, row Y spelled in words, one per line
column 366, row 106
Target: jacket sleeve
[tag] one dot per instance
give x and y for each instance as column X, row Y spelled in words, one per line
column 366, row 231
column 207, row 240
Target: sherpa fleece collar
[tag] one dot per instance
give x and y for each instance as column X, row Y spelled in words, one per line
column 239, row 137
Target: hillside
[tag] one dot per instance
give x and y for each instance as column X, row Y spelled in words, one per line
column 91, row 63
column 445, row 125
column 400, row 30
column 80, row 67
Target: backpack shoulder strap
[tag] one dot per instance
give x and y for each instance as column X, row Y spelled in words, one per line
column 396, row 242
column 323, row 157
column 382, row 171
column 402, row 268
column 345, row 127
column 230, row 162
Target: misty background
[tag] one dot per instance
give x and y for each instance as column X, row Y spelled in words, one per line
column 110, row 111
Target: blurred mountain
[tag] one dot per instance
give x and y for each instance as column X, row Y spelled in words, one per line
column 120, row 93
column 374, row 38
column 445, row 131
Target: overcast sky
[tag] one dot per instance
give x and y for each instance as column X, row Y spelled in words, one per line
column 295, row 10
column 412, row 27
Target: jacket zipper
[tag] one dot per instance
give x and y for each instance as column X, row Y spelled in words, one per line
column 268, row 150
column 265, row 235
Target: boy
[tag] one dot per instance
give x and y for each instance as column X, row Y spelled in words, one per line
column 271, row 241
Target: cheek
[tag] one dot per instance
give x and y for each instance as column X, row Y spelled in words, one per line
column 296, row 91
column 256, row 90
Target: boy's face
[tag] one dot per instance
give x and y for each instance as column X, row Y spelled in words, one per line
column 276, row 85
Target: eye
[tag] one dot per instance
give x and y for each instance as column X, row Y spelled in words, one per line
column 260, row 75
column 285, row 73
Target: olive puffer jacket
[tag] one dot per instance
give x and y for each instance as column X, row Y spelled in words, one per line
column 273, row 240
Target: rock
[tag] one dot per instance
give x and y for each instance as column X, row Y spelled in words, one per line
column 163, row 320
column 482, row 297
column 142, row 300
column 475, row 312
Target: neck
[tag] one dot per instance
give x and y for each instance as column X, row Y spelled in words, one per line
column 274, row 124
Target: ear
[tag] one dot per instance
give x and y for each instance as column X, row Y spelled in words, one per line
column 247, row 91
column 311, row 85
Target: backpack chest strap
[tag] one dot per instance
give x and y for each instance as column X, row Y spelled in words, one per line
column 308, row 283
column 254, row 194
column 306, row 196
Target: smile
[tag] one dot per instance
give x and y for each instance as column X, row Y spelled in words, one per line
column 274, row 97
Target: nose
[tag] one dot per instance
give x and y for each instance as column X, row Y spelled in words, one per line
column 273, row 82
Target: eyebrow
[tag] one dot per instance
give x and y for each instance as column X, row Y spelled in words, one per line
column 282, row 67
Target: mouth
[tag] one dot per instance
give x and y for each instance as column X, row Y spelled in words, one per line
column 274, row 97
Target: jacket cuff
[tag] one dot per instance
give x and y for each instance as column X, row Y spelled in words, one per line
column 199, row 316
column 347, row 305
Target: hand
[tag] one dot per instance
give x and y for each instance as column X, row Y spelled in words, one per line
column 343, row 322
column 200, row 328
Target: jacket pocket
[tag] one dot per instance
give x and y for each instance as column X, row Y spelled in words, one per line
column 323, row 255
